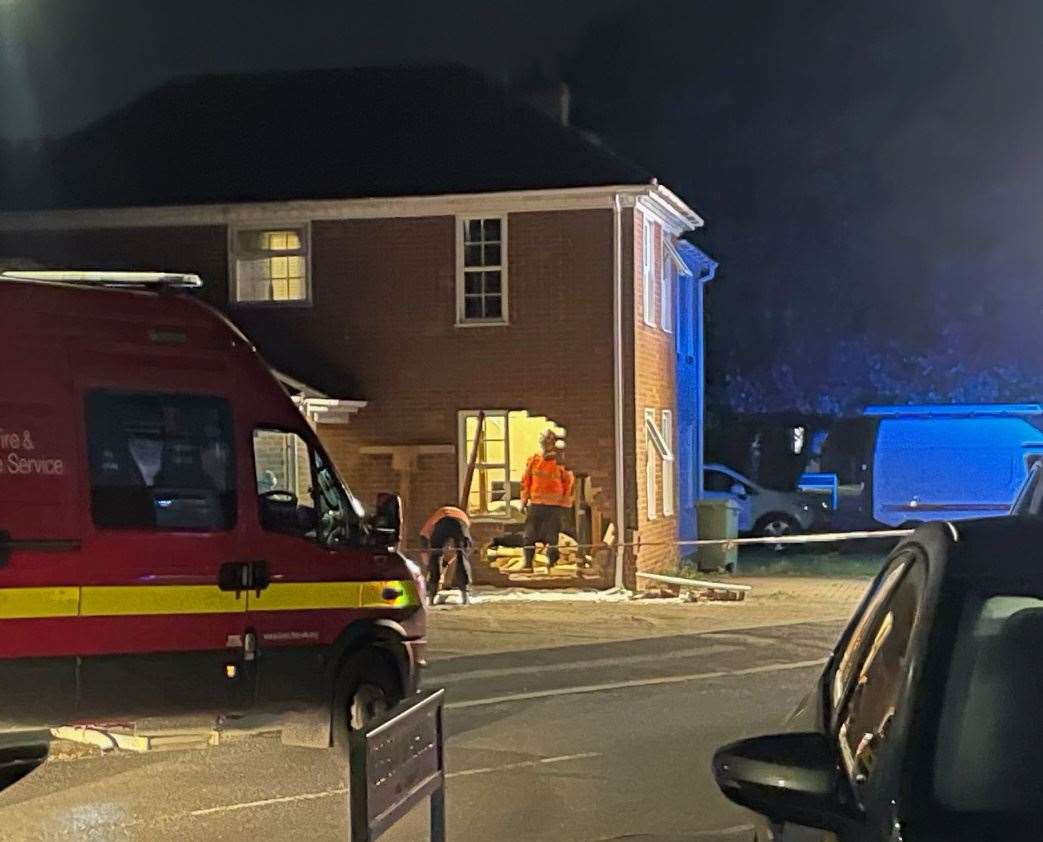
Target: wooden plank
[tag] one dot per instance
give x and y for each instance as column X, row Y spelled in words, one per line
column 692, row 583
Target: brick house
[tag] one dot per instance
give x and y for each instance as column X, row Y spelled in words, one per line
column 409, row 247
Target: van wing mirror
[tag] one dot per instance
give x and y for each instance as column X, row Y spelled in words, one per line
column 788, row 778
column 387, row 518
column 739, row 490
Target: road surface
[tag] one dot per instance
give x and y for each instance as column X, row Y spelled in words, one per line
column 604, row 741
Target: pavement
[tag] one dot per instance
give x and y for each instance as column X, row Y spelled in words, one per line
column 515, row 619
column 568, row 719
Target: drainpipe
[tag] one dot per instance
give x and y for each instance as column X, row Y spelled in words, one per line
column 617, row 349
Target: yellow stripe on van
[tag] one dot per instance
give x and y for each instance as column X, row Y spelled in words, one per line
column 305, row 596
column 123, row 600
column 130, row 600
column 30, row 603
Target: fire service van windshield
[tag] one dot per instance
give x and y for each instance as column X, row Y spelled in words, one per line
column 173, row 538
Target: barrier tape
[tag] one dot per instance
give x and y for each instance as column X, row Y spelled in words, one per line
column 728, row 543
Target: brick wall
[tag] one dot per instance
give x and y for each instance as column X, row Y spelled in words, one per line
column 394, row 282
column 382, row 326
column 654, row 388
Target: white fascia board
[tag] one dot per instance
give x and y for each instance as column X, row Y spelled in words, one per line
column 670, row 199
column 516, row 201
column 675, row 256
column 656, row 198
column 675, row 219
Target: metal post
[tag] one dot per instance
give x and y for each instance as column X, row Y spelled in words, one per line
column 395, row 763
column 358, row 791
column 438, row 815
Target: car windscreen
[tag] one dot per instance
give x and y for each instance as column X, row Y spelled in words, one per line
column 990, row 733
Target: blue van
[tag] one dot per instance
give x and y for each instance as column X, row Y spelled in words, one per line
column 941, row 462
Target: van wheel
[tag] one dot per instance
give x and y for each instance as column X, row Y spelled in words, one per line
column 776, row 525
column 367, row 686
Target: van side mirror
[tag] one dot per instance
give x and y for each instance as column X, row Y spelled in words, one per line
column 788, row 778
column 387, row 518
column 738, row 490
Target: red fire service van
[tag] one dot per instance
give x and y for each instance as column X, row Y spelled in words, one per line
column 173, row 538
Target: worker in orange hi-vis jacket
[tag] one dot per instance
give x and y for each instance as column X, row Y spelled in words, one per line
column 546, row 494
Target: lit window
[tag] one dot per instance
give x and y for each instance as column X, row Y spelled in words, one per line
column 270, row 265
column 505, row 441
column 481, row 283
column 668, row 463
column 648, row 274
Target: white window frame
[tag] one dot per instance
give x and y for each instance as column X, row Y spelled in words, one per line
column 461, row 320
column 669, row 475
column 658, row 447
column 648, row 273
column 464, row 455
column 651, row 486
column 689, row 334
column 667, row 273
column 233, row 262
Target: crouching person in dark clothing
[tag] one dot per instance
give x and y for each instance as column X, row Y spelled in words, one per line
column 447, row 537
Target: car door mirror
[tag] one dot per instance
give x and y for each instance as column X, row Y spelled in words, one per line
column 738, row 490
column 786, row 777
column 387, row 518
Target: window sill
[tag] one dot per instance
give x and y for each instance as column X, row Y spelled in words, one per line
column 495, row 519
column 274, row 305
column 477, row 323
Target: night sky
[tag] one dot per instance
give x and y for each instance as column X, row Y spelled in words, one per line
column 871, row 172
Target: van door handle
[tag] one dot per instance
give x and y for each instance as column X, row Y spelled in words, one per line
column 260, row 577
column 233, row 576
column 241, row 576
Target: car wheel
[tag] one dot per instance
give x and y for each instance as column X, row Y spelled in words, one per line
column 776, row 525
column 367, row 687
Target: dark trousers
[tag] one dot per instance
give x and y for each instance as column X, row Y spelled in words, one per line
column 543, row 523
column 445, row 529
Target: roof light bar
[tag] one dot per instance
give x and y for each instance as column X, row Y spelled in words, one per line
column 128, row 280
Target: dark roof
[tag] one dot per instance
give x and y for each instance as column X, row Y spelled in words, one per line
column 317, row 134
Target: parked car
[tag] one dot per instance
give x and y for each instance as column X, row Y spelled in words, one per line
column 764, row 512
column 924, row 724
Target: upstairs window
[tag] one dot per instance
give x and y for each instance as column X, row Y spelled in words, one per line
column 648, row 274
column 270, row 265
column 481, row 282
column 666, row 290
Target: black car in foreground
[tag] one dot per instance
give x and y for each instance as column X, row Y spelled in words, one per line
column 927, row 721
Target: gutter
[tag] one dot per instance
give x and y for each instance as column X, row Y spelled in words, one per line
column 617, row 378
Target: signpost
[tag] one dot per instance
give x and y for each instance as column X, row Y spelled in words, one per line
column 394, row 763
